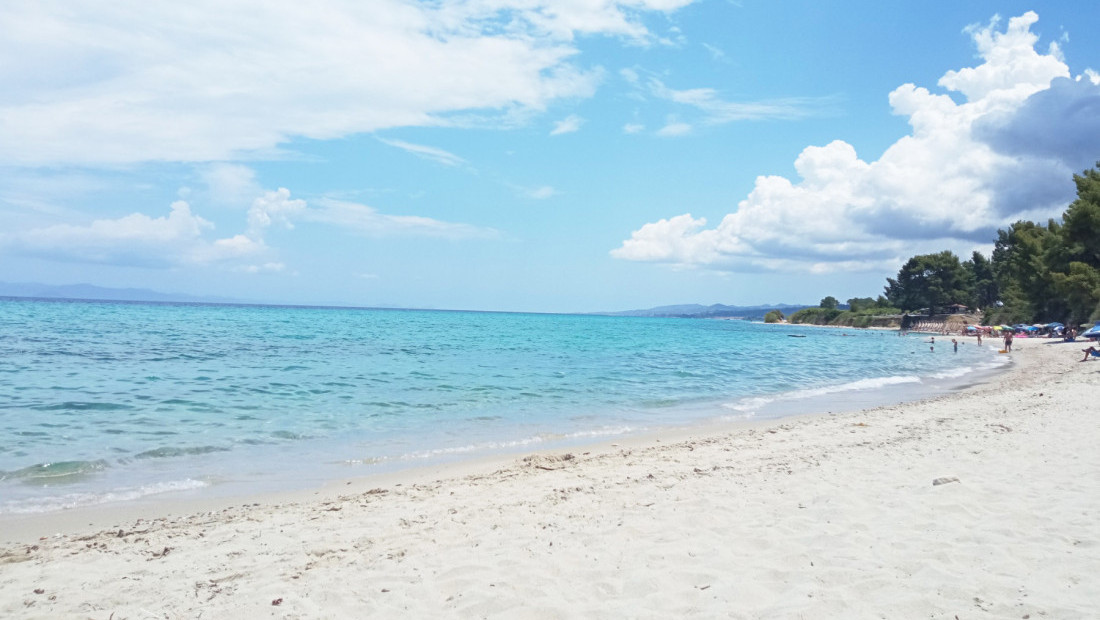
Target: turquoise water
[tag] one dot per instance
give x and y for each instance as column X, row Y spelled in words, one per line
column 107, row 401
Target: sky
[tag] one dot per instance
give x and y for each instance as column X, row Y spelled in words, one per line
column 531, row 155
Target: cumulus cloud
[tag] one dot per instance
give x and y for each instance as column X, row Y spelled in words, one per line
column 181, row 237
column 1038, row 128
column 275, row 207
column 964, row 171
column 135, row 239
column 569, row 124
column 138, row 81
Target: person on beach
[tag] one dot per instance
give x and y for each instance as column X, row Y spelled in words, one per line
column 1008, row 341
column 1094, row 351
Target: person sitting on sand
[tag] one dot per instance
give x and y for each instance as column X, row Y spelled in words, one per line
column 1094, row 351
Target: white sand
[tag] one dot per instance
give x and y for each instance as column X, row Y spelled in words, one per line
column 816, row 517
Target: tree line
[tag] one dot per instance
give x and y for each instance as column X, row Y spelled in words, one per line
column 1037, row 272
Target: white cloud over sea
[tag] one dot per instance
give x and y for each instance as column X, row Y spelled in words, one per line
column 138, row 81
column 1006, row 150
column 178, row 238
column 183, row 238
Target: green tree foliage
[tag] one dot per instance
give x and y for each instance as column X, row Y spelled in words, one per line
column 1076, row 264
column 1021, row 259
column 1051, row 272
column 815, row 316
column 829, row 303
column 1080, row 288
column 1036, row 273
column 931, row 281
column 984, row 293
column 773, row 316
column 1081, row 222
column 858, row 304
column 834, row 316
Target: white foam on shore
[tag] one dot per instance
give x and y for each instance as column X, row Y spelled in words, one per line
column 80, row 500
column 753, row 403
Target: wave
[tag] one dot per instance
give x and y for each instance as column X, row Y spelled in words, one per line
column 76, row 500
column 753, row 403
column 82, row 406
column 61, row 472
column 168, row 452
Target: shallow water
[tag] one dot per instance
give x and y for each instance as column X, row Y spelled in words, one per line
column 107, row 401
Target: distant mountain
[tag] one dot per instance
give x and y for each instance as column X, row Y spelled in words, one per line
column 89, row 291
column 698, row 311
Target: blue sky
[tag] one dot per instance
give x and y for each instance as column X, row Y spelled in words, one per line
column 526, row 155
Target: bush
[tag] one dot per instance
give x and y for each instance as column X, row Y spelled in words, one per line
column 815, row 316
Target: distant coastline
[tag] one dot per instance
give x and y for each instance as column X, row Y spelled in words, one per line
column 91, row 292
column 38, row 290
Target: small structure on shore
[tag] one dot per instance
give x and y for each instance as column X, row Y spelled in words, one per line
column 939, row 323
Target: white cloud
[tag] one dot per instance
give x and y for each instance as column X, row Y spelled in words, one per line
column 564, row 19
column 365, row 220
column 180, row 238
column 542, row 193
column 273, row 267
column 632, row 128
column 673, row 129
column 137, row 81
column 237, row 246
column 569, row 124
column 716, row 111
column 716, row 53
column 229, row 184
column 427, row 152
column 275, row 207
column 135, row 239
column 964, row 171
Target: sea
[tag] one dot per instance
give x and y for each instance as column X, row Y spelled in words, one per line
column 106, row 402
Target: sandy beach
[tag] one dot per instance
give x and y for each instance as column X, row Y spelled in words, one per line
column 980, row 504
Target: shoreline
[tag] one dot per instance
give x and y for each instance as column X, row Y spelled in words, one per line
column 818, row 514
column 721, row 415
column 27, row 528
